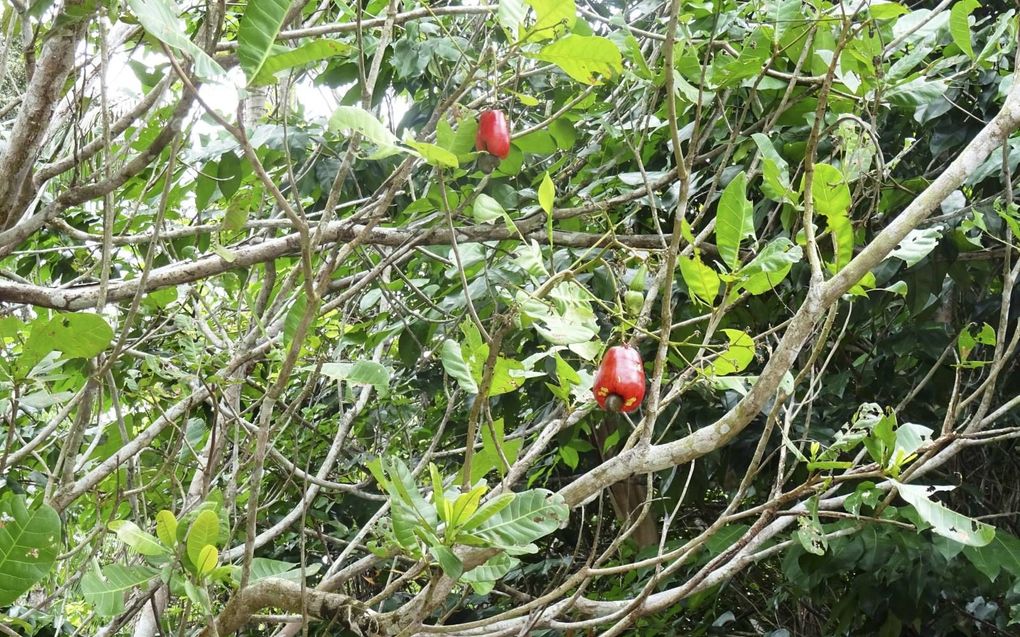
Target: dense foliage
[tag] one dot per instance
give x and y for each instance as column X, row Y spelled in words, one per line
column 283, row 351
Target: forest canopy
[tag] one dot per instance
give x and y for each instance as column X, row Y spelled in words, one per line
column 528, row 317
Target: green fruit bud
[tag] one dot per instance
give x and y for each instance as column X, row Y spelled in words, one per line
column 638, row 282
column 634, row 300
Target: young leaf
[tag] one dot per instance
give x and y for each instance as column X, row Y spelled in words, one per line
column 734, row 220
column 141, row 542
column 166, row 527
column 208, row 558
column 546, row 194
column 205, row 530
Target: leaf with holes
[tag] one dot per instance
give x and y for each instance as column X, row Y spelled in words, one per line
column 29, row 539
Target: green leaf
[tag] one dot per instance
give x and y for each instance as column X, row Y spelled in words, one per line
column 79, row 335
column 569, row 455
column 829, row 191
column 494, row 442
column 784, row 15
column 29, row 541
column 160, row 19
column 351, row 118
column 224, row 253
column 546, row 194
column 262, row 567
column 811, row 537
column 487, row 510
column 449, row 562
column 945, row 522
column 305, row 54
column 257, row 30
column 236, row 215
column 959, row 25
column 504, row 378
column 106, row 589
column 734, row 220
column 909, row 438
column 1003, row 552
column 466, row 505
column 205, row 530
column 361, row 372
column 770, row 266
column 584, row 57
column 529, row 258
column 886, row 10
column 198, row 595
column 208, row 558
column 843, row 235
column 456, row 366
column 553, row 17
column 735, row 358
column 294, row 317
column 532, row 514
column 166, row 527
column 510, row 14
column 486, row 209
column 482, row 579
column 141, row 542
column 701, row 280
column 434, row 155
column 413, row 516
column 917, row 245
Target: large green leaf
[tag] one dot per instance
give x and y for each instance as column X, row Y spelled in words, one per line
column 944, row 521
column 584, row 57
column 106, row 589
column 552, row 17
column 79, row 335
column 29, row 540
column 256, row 32
column 361, row 372
column 455, row 365
column 829, row 191
column 917, row 245
column 263, row 567
column 433, row 154
column 702, row 281
column 204, row 531
column 510, row 14
column 482, row 579
column 735, row 358
column 161, row 19
column 352, row 118
column 959, row 25
column 305, row 54
column 531, row 515
column 1002, row 553
column 734, row 220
